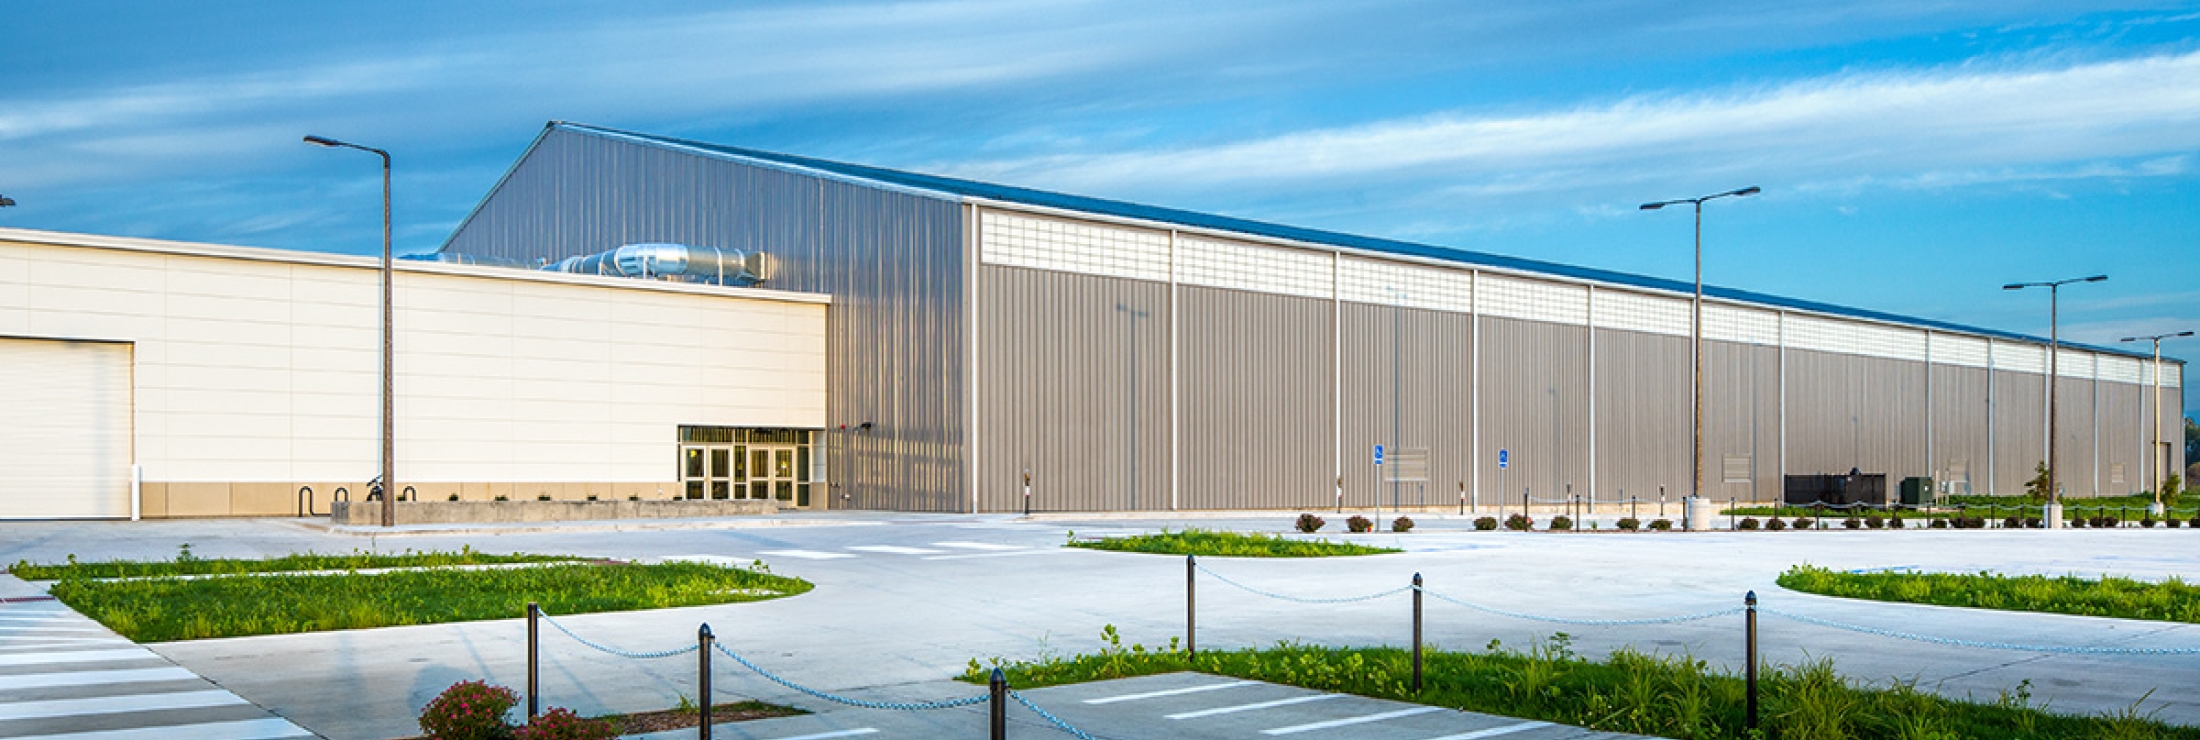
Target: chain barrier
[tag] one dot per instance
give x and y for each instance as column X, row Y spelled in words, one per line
column 853, row 702
column 1585, row 622
column 1958, row 642
column 616, row 651
column 1049, row 716
column 1302, row 599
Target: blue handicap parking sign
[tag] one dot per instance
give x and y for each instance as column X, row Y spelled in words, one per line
column 1378, row 454
column 1503, row 456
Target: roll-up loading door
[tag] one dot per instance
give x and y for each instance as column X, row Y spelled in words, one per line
column 65, row 416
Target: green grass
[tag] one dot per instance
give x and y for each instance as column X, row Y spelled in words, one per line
column 187, row 564
column 1833, row 515
column 161, row 609
column 1998, row 507
column 2169, row 601
column 1229, row 544
column 1666, row 696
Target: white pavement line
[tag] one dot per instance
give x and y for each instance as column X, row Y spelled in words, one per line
column 5, row 639
column 25, row 647
column 76, row 656
column 1494, row 731
column 1252, row 707
column 835, row 733
column 117, row 704
column 894, row 550
column 979, row 546
column 95, row 678
column 1007, row 554
column 1170, row 692
column 250, row 729
column 47, row 617
column 806, row 554
column 41, row 628
column 1362, row 719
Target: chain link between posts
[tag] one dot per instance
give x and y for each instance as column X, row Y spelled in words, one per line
column 1049, row 716
column 1301, row 599
column 850, row 701
column 1586, row 622
column 616, row 651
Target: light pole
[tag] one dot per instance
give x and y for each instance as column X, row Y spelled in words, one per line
column 2053, row 514
column 2159, row 452
column 389, row 445
column 1695, row 337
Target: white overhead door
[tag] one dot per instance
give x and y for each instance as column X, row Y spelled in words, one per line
column 64, row 429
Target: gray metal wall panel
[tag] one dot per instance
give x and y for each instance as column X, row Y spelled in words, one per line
column 2123, row 435
column 1407, row 385
column 2170, row 460
column 1642, row 412
column 1256, row 400
column 1741, row 417
column 1535, row 403
column 1076, row 391
column 2074, row 436
column 1851, row 412
column 2020, row 429
column 891, row 260
column 1959, row 425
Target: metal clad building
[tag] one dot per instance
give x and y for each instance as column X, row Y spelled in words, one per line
column 1133, row 357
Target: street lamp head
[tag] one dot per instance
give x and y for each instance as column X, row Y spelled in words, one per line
column 1652, row 206
column 2128, row 339
column 1751, row 190
column 2096, row 278
column 2013, row 286
column 322, row 141
column 2182, row 334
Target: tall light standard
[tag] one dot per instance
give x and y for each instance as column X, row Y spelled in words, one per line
column 2053, row 514
column 2159, row 452
column 1695, row 337
column 389, row 445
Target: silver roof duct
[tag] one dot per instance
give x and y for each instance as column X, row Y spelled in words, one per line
column 715, row 265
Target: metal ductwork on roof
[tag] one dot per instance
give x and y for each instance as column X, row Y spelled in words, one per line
column 715, row 265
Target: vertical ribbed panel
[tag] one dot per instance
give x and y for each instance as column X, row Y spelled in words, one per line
column 1535, row 403
column 2122, row 442
column 1642, row 413
column 2074, row 434
column 1406, row 387
column 1741, row 417
column 1076, row 390
column 892, row 261
column 1847, row 411
column 1256, row 400
column 1959, row 425
column 2020, row 427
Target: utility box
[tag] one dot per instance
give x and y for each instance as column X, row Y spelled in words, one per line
column 1917, row 491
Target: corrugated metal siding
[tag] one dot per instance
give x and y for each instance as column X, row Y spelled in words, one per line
column 1959, row 426
column 1846, row 411
column 2020, row 429
column 1256, row 400
column 2074, row 436
column 2123, row 443
column 1535, row 403
column 1407, row 385
column 1741, row 417
column 1642, row 410
column 891, row 260
column 1072, row 377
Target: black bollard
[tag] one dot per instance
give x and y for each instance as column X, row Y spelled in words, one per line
column 998, row 687
column 534, row 703
column 1416, row 632
column 702, row 680
column 1750, row 648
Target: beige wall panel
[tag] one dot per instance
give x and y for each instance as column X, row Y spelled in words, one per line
column 153, row 500
column 1642, row 429
column 1407, row 386
column 1257, row 400
column 2074, row 437
column 1535, row 404
column 2020, row 428
column 263, row 499
column 1960, row 411
column 1741, row 417
column 2122, row 441
column 1853, row 412
column 198, row 499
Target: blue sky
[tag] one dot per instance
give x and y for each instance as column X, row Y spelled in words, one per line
column 1915, row 155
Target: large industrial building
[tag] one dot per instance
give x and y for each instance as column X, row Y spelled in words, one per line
column 834, row 335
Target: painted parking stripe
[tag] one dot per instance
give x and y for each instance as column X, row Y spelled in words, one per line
column 1254, row 707
column 979, row 546
column 21, row 648
column 1494, row 731
column 1171, row 692
column 76, row 656
column 894, row 550
column 43, row 628
column 118, row 704
column 6, row 639
column 14, row 616
column 833, row 734
column 95, row 678
column 1349, row 721
column 806, row 554
column 1004, row 554
column 250, row 729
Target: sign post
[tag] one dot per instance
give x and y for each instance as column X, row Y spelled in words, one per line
column 1378, row 481
column 1504, row 457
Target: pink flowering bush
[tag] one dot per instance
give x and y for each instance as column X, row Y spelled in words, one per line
column 469, row 710
column 562, row 724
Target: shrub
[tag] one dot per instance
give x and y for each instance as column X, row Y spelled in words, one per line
column 1875, row 521
column 2172, row 487
column 2107, row 521
column 1519, row 522
column 1485, row 524
column 1852, row 523
column 2012, row 523
column 1561, row 523
column 542, row 497
column 1939, row 524
column 454, row 497
column 2195, row 523
column 2147, row 522
column 1630, row 524
column 1401, row 524
column 469, row 710
column 1309, row 523
column 562, row 724
column 2032, row 522
column 1776, row 524
column 2170, row 522
column 1359, row 524
column 1804, row 522
column 2077, row 522
column 1748, row 523
column 1895, row 522
column 1661, row 525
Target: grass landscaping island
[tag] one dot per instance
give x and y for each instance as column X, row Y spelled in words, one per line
column 187, row 564
column 1228, row 544
column 2172, row 600
column 1665, row 696
column 263, row 602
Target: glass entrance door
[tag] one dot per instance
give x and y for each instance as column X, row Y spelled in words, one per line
column 779, row 472
column 713, row 471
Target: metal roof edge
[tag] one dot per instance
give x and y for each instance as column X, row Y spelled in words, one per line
column 501, row 180
column 752, row 158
